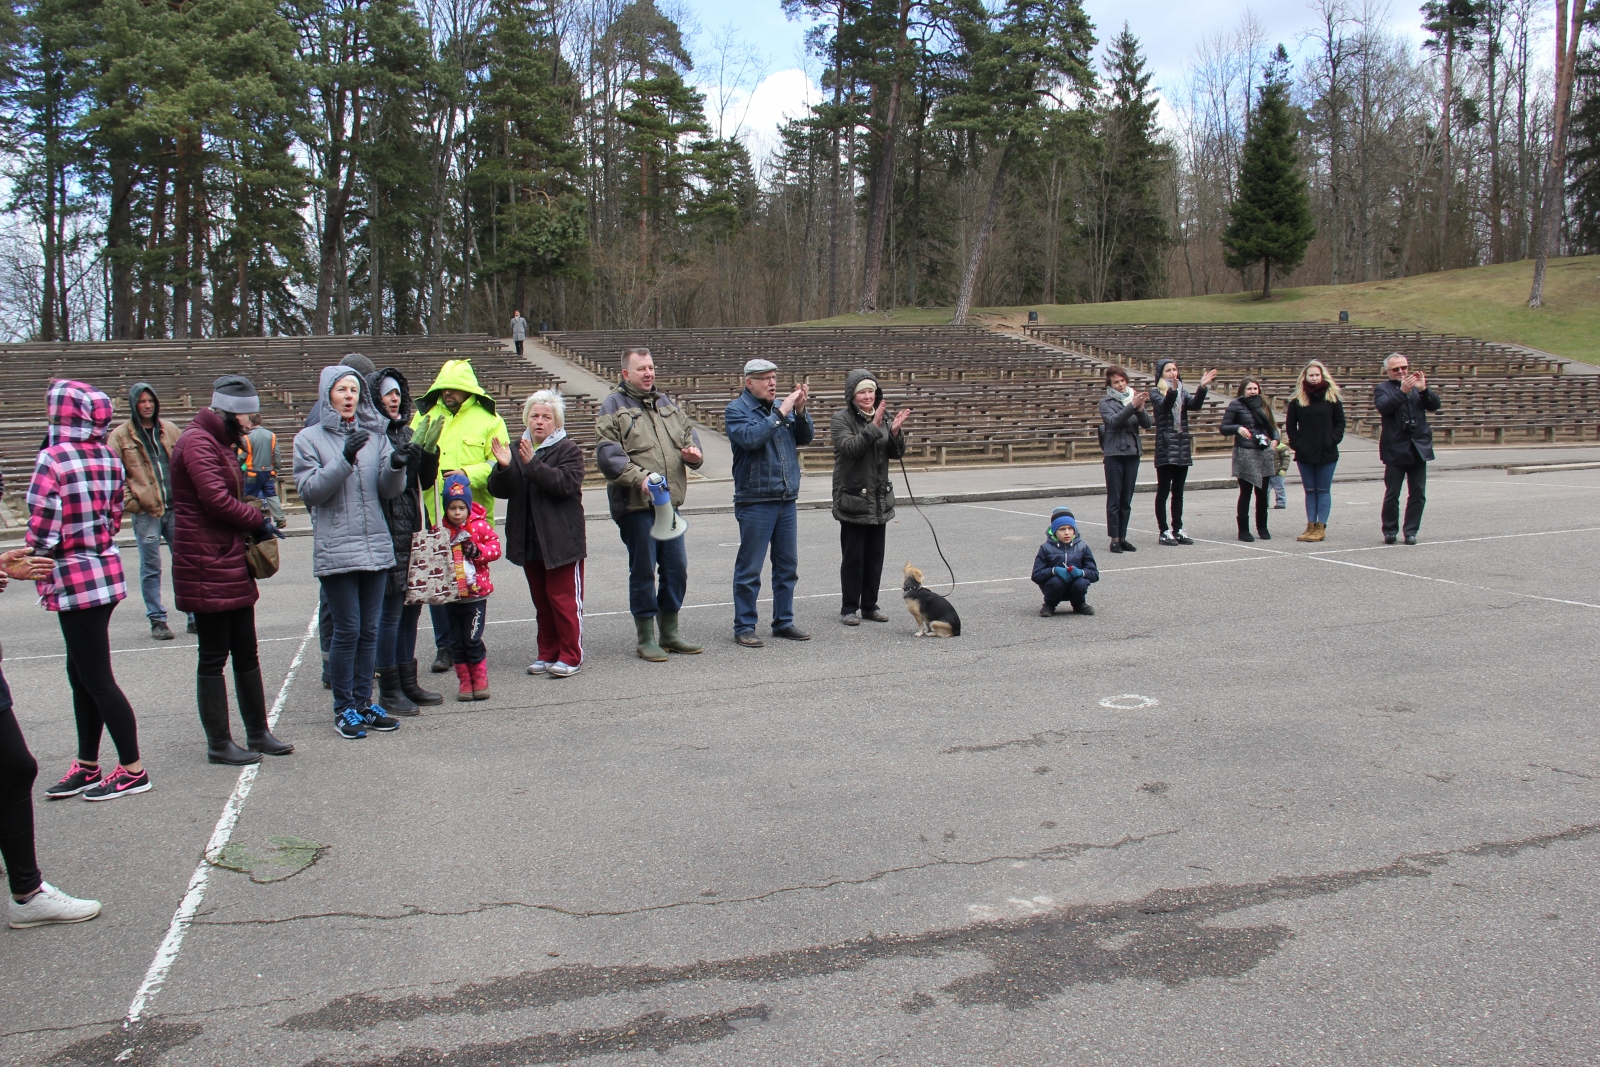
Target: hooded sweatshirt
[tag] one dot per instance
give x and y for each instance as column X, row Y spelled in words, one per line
column 467, row 433
column 349, row 529
column 75, row 501
column 146, row 456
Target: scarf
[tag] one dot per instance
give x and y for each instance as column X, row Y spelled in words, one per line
column 1258, row 411
column 1179, row 412
column 1126, row 396
column 1316, row 392
column 559, row 435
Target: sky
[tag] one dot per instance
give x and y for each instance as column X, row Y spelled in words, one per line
column 1168, row 32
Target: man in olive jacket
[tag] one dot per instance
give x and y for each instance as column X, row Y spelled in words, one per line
column 144, row 444
column 642, row 432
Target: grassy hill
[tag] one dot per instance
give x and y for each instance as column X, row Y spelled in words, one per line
column 1490, row 303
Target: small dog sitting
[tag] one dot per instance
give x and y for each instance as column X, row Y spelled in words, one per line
column 936, row 616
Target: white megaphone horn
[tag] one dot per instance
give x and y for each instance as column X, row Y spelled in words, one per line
column 669, row 524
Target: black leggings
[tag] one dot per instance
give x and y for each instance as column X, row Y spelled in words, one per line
column 1245, row 489
column 224, row 633
column 97, row 701
column 861, row 570
column 17, row 772
column 1122, row 473
column 1170, row 479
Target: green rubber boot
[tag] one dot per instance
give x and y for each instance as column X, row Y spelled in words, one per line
column 671, row 639
column 648, row 649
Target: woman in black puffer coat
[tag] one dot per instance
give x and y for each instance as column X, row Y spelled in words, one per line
column 1174, row 451
column 1250, row 422
column 397, row 626
column 865, row 439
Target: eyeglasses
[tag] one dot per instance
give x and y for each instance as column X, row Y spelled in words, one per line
column 1399, row 367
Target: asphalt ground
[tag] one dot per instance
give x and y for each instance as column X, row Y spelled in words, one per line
column 1273, row 804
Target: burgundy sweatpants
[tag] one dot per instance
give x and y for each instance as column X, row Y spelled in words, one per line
column 558, row 602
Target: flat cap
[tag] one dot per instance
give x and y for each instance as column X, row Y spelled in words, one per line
column 759, row 366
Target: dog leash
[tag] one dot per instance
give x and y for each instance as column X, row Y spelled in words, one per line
column 912, row 496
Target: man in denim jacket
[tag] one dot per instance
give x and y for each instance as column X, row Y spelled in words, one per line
column 766, row 434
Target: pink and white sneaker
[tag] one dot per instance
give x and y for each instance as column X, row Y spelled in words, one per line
column 77, row 779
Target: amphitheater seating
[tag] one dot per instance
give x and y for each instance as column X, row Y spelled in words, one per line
column 284, row 370
column 976, row 396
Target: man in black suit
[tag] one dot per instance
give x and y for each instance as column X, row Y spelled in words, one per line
column 1405, row 446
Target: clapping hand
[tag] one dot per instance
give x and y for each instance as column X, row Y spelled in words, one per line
column 502, row 454
column 1207, row 378
column 354, row 443
column 1139, row 398
column 525, row 450
column 427, row 435
column 877, row 413
column 899, row 420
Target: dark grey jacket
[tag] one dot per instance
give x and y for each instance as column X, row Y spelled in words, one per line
column 1120, row 429
column 863, row 491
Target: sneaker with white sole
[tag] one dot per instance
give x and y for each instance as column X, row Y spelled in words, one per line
column 1182, row 537
column 562, row 670
column 538, row 666
column 1167, row 538
column 119, row 783
column 350, row 724
column 49, row 905
column 77, row 779
column 377, row 717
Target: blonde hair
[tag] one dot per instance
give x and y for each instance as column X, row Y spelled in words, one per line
column 1303, row 398
column 551, row 397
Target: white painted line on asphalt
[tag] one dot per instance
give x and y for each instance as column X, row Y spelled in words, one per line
column 1449, row 581
column 167, row 954
column 159, row 648
column 1454, row 541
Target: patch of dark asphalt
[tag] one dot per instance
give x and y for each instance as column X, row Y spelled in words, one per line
column 1165, row 935
column 653, row 1031
column 1038, row 740
column 138, row 1046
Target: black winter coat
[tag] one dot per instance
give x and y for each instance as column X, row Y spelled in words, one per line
column 863, row 492
column 1407, row 438
column 402, row 512
column 548, row 492
column 1314, row 431
column 1239, row 414
column 1174, row 442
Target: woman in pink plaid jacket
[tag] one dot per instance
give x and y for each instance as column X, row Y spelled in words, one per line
column 75, row 505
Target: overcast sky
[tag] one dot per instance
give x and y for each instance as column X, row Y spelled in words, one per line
column 1168, row 31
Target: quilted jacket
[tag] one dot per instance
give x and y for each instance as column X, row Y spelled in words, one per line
column 472, row 575
column 209, row 572
column 75, row 501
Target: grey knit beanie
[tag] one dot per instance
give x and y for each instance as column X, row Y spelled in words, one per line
column 235, row 393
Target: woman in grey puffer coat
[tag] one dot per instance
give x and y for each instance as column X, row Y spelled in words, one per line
column 344, row 472
column 1123, row 411
column 864, row 441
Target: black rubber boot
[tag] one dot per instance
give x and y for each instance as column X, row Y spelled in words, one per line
column 211, row 692
column 253, row 710
column 441, row 662
column 414, row 692
column 391, row 696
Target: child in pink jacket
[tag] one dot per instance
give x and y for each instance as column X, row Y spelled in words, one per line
column 474, row 545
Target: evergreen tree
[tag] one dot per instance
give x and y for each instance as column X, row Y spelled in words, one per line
column 1270, row 220
column 1583, row 158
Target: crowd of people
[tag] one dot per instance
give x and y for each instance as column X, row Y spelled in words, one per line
column 375, row 468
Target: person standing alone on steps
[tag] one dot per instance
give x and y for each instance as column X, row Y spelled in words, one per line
column 144, row 444
column 1405, row 446
column 519, row 330
column 1315, row 426
column 1122, row 413
column 641, row 432
column 1174, row 450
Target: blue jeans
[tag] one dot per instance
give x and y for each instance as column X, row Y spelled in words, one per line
column 397, row 630
column 658, row 571
column 1317, row 479
column 150, row 531
column 261, row 485
column 355, row 600
column 761, row 525
column 1280, row 495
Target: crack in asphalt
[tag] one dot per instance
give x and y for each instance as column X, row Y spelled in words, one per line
column 1052, row 853
column 1163, row 936
column 1038, row 740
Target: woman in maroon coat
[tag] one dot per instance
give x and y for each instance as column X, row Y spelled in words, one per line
column 209, row 574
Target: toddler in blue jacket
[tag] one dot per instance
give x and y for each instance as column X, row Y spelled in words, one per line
column 1064, row 568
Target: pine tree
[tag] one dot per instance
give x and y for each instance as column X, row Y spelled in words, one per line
column 1583, row 158
column 1270, row 221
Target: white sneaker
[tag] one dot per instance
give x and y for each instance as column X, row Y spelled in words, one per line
column 538, row 666
column 50, row 905
column 561, row 670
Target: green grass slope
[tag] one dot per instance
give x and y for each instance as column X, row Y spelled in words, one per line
column 1490, row 303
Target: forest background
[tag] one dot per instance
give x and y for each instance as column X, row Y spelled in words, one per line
column 218, row 168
